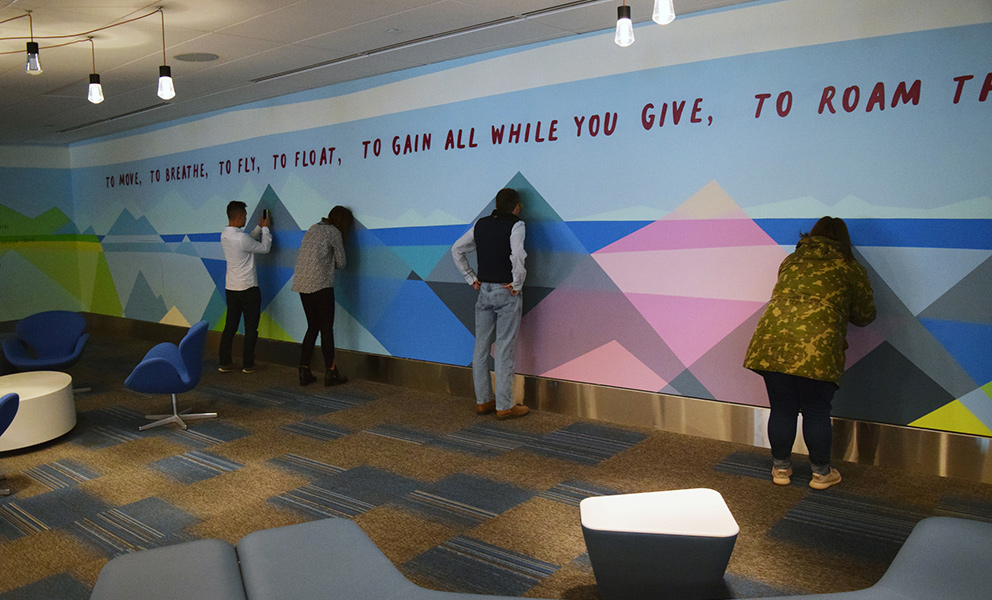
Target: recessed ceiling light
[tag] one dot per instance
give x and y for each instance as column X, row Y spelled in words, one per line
column 196, row 57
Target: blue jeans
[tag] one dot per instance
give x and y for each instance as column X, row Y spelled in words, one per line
column 497, row 318
column 788, row 395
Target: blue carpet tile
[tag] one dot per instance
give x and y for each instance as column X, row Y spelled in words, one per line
column 207, row 433
column 372, row 485
column 470, row 566
column 464, row 501
column 401, row 433
column 53, row 510
column 965, row 508
column 317, row 430
column 485, row 439
column 307, row 467
column 62, row 586
column 585, row 443
column 252, row 399
column 742, row 587
column 327, row 401
column 759, row 466
column 61, row 474
column 318, row 502
column 194, row 466
column 843, row 523
column 147, row 523
column 343, row 493
column 573, row 492
column 107, row 427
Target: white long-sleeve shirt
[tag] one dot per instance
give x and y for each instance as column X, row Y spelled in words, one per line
column 466, row 244
column 240, row 250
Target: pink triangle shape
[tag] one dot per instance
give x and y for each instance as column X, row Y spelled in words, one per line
column 692, row 326
column 697, row 233
column 610, row 364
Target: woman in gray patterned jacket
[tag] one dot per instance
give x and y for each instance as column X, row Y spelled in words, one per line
column 321, row 251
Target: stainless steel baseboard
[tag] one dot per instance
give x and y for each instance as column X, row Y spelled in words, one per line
column 910, row 449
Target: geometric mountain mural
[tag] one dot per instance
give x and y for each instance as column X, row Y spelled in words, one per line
column 633, row 312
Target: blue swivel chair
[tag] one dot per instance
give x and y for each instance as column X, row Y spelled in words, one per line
column 171, row 369
column 8, row 410
column 47, row 341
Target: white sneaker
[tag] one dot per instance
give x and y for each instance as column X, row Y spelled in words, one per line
column 781, row 476
column 822, row 482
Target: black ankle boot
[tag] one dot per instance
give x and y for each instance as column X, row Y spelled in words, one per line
column 306, row 377
column 334, row 377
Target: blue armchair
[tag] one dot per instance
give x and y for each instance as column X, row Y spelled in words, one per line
column 8, row 410
column 171, row 369
column 47, row 341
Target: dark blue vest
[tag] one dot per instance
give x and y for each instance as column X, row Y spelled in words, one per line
column 492, row 247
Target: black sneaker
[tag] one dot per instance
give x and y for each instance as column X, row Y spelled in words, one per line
column 228, row 368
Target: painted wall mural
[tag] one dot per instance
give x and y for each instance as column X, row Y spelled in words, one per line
column 659, row 202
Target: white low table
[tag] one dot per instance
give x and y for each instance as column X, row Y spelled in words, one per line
column 673, row 544
column 47, row 408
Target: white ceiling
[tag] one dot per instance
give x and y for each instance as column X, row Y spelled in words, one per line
column 339, row 40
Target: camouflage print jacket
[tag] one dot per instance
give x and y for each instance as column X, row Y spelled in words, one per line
column 803, row 330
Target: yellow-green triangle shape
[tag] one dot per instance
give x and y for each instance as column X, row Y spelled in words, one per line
column 953, row 417
column 268, row 328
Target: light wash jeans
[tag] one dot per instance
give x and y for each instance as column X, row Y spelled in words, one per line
column 497, row 316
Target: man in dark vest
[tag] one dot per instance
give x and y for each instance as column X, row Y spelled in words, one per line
column 498, row 241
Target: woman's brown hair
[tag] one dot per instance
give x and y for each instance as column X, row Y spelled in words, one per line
column 835, row 229
column 341, row 218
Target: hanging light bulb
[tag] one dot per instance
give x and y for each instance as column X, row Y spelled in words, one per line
column 166, row 90
column 33, row 65
column 95, row 93
column 625, row 28
column 664, row 12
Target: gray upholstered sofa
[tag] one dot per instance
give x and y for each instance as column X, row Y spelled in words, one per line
column 333, row 559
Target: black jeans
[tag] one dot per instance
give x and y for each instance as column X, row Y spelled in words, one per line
column 788, row 395
column 319, row 309
column 249, row 303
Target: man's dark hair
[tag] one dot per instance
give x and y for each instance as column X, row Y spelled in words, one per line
column 507, row 199
column 235, row 208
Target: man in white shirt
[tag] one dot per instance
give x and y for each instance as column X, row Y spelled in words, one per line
column 241, row 283
column 498, row 241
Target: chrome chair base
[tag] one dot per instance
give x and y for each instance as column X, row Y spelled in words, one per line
column 175, row 417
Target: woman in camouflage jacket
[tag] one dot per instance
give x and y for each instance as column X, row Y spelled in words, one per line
column 798, row 346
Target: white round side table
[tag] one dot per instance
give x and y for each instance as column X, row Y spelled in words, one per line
column 47, row 408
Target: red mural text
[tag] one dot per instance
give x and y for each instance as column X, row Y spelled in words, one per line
column 521, row 132
column 983, row 94
column 649, row 115
column 851, row 98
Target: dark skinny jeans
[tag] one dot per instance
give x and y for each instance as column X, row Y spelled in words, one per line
column 789, row 395
column 249, row 303
column 319, row 309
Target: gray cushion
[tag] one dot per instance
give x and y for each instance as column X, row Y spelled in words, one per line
column 944, row 558
column 204, row 569
column 329, row 559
